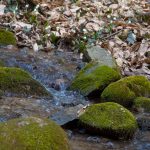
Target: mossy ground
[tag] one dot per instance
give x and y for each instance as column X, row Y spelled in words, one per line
column 126, row 90
column 142, row 103
column 15, row 81
column 94, row 77
column 7, row 38
column 32, row 134
column 109, row 119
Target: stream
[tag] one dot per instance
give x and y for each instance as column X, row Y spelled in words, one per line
column 55, row 70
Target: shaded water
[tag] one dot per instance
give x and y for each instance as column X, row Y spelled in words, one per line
column 79, row 141
column 55, row 70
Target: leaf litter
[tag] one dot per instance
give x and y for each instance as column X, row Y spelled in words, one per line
column 120, row 26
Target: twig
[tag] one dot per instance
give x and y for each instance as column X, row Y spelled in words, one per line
column 107, row 37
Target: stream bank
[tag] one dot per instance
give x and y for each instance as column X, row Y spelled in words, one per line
column 55, row 71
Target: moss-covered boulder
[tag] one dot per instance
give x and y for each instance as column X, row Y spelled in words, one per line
column 109, row 119
column 94, row 77
column 7, row 38
column 2, row 64
column 142, row 104
column 126, row 90
column 32, row 134
column 17, row 82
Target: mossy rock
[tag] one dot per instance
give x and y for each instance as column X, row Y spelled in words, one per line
column 126, row 90
column 32, row 134
column 7, row 38
column 142, row 104
column 17, row 82
column 109, row 119
column 94, row 77
column 2, row 64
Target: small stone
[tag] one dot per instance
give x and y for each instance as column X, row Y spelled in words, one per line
column 110, row 145
column 59, row 85
column 93, row 139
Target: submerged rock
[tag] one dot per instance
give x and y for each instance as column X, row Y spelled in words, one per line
column 100, row 55
column 17, row 82
column 142, row 104
column 109, row 119
column 32, row 133
column 7, row 38
column 126, row 90
column 143, row 120
column 94, row 77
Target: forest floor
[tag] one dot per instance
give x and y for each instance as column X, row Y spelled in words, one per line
column 120, row 26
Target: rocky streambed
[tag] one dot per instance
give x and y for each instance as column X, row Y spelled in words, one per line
column 55, row 70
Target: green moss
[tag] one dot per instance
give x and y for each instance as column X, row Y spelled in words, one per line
column 32, row 134
column 14, row 81
column 94, row 77
column 109, row 119
column 126, row 90
column 7, row 38
column 2, row 64
column 142, row 103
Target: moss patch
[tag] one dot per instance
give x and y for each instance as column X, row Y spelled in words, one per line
column 142, row 103
column 32, row 134
column 7, row 38
column 2, row 64
column 15, row 81
column 109, row 119
column 126, row 90
column 94, row 77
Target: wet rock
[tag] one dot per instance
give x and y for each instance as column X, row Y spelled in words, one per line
column 126, row 90
column 143, row 120
column 59, row 84
column 66, row 115
column 100, row 55
column 109, row 145
column 7, row 38
column 109, row 119
column 93, row 139
column 94, row 78
column 69, row 133
column 32, row 133
column 14, row 107
column 15, row 81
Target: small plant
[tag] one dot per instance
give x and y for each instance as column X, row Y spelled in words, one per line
column 80, row 45
column 54, row 39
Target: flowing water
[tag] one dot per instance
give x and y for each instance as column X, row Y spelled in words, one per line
column 55, row 70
